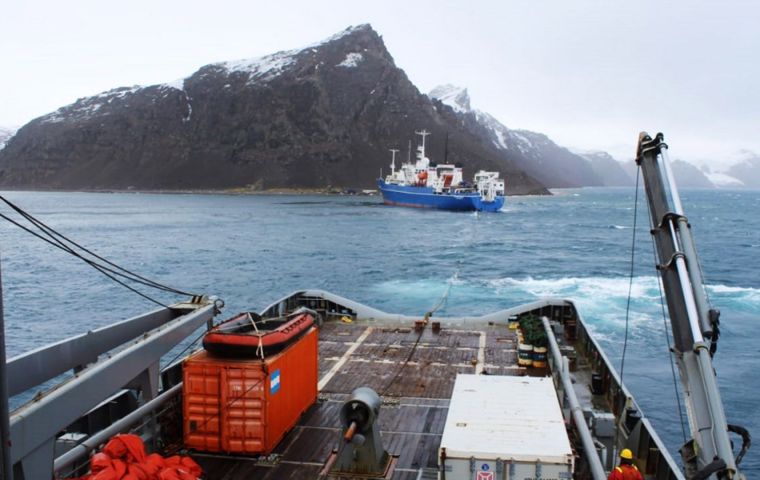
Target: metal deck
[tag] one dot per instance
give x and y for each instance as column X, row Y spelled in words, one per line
column 414, row 374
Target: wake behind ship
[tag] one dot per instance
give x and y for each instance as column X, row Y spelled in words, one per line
column 428, row 185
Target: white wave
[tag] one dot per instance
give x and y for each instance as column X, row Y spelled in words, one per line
column 601, row 300
column 592, row 287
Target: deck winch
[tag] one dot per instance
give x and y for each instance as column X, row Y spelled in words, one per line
column 361, row 453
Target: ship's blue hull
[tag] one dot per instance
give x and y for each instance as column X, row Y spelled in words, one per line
column 425, row 197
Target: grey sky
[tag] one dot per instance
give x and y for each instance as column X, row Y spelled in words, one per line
column 590, row 74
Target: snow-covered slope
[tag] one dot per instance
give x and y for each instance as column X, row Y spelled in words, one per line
column 256, row 71
column 537, row 154
column 453, row 96
column 5, row 134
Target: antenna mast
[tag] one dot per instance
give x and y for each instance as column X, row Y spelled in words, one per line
column 393, row 160
column 424, row 133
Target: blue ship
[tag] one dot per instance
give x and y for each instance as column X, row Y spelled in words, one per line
column 423, row 184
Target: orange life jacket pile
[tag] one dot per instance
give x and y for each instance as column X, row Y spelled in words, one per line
column 124, row 458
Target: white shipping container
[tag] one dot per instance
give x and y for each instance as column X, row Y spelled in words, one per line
column 504, row 428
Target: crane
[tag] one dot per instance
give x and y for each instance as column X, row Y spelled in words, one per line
column 695, row 326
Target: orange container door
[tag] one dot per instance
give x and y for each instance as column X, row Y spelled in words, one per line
column 292, row 386
column 243, row 409
column 224, row 405
column 200, row 401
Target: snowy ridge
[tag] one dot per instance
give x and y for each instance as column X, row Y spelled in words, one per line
column 6, row 133
column 339, row 35
column 178, row 84
column 87, row 107
column 453, row 96
column 262, row 68
column 723, row 180
column 498, row 130
column 352, row 60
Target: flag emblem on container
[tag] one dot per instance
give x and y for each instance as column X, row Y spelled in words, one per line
column 485, row 476
column 274, row 381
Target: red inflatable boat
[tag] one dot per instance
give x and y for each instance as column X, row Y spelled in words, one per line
column 250, row 336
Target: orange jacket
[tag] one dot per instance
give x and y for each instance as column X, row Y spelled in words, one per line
column 625, row 472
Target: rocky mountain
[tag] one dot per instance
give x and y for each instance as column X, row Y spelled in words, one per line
column 324, row 115
column 689, row 176
column 746, row 172
column 608, row 169
column 535, row 153
column 686, row 174
column 5, row 135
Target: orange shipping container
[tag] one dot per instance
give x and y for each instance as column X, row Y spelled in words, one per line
column 247, row 405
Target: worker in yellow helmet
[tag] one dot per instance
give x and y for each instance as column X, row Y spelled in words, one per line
column 626, row 470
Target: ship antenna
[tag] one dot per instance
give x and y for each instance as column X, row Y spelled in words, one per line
column 409, row 152
column 393, row 160
column 424, row 133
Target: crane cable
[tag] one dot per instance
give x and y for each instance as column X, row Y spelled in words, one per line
column 628, row 302
column 662, row 307
column 108, row 268
column 441, row 302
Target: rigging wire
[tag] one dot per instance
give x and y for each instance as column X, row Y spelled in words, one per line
column 440, row 304
column 58, row 240
column 105, row 271
column 630, row 278
column 628, row 302
column 662, row 307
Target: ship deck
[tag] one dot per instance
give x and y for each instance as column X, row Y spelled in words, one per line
column 413, row 371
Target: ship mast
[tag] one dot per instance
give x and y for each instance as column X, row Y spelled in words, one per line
column 424, row 133
column 393, row 160
column 708, row 455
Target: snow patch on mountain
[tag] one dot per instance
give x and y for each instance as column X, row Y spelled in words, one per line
column 499, row 132
column 178, row 84
column 453, row 96
column 352, row 60
column 87, row 107
column 723, row 180
column 339, row 35
column 262, row 68
column 6, row 133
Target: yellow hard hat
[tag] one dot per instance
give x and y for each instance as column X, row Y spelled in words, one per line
column 627, row 454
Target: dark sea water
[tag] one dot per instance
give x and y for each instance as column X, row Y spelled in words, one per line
column 252, row 250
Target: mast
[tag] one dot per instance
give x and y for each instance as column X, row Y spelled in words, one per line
column 424, row 133
column 695, row 327
column 393, row 160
